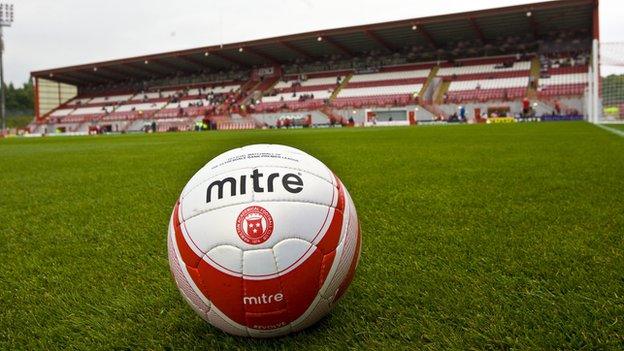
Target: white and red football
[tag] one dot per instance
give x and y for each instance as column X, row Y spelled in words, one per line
column 263, row 241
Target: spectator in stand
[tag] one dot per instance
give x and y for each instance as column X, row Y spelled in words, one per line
column 526, row 106
column 532, row 82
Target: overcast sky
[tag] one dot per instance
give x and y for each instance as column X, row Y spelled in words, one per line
column 55, row 33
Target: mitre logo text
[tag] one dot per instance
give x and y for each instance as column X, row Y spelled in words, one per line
column 290, row 182
column 263, row 299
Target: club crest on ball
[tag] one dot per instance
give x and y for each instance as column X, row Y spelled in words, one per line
column 254, row 225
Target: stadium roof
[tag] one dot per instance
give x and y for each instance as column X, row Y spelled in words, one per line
column 537, row 19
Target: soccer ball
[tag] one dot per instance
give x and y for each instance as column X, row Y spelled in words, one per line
column 263, row 241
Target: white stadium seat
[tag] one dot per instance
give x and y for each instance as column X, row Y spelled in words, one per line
column 88, row 111
column 216, row 90
column 371, row 77
column 61, row 113
column 381, row 90
column 114, row 98
column 484, row 84
column 561, row 79
column 309, row 82
column 480, row 69
column 185, row 103
column 319, row 94
column 141, row 107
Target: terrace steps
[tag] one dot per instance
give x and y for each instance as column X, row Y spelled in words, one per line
column 434, row 110
column 438, row 97
column 260, row 89
column 343, row 84
column 429, row 81
column 331, row 115
column 534, row 76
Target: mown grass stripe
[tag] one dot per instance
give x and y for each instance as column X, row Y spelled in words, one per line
column 611, row 130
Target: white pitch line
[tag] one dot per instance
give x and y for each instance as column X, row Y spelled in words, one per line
column 612, row 130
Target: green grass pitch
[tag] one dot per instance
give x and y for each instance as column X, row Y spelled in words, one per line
column 617, row 126
column 474, row 237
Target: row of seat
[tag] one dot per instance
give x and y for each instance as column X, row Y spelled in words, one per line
column 289, row 105
column 562, row 90
column 487, row 79
column 483, row 95
column 141, row 107
column 567, row 70
column 379, row 100
column 379, row 87
column 356, row 102
column 110, row 99
column 389, row 76
column 484, row 84
column 392, row 87
column 486, row 68
column 129, row 106
column 384, row 90
column 310, row 82
column 81, row 111
column 566, row 84
column 564, row 79
column 489, row 75
column 318, row 94
column 148, row 96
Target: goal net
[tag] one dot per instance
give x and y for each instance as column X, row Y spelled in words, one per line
column 606, row 84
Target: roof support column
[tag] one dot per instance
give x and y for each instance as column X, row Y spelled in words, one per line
column 36, row 91
column 596, row 21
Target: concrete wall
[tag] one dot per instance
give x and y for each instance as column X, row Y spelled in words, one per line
column 271, row 118
column 449, row 109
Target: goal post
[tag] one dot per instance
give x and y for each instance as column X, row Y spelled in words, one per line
column 605, row 91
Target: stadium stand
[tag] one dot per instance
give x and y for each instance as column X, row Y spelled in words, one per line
column 344, row 76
